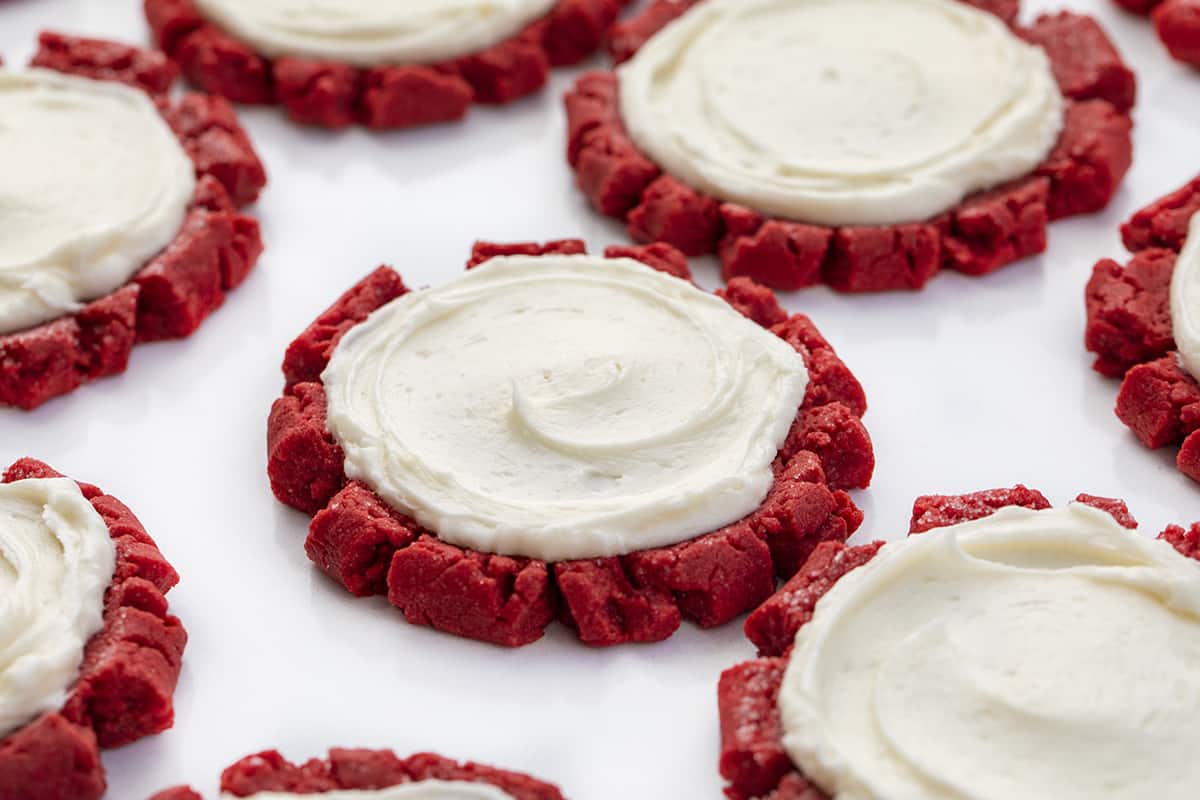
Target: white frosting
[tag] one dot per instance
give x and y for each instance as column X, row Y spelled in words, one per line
column 1049, row 655
column 371, row 32
column 56, row 562
column 564, row 407
column 1185, row 301
column 842, row 112
column 94, row 185
column 421, row 790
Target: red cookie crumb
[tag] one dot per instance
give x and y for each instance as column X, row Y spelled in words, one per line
column 1178, row 25
column 170, row 297
column 371, row 549
column 1115, row 508
column 1129, row 328
column 361, row 770
column 772, row 626
column 335, row 95
column 982, row 234
column 128, row 676
column 1129, row 311
column 939, row 511
column 752, row 757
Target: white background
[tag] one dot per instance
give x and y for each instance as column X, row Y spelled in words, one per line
column 974, row 383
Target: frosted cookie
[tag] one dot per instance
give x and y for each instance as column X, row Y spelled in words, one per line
column 866, row 144
column 1177, row 23
column 380, row 63
column 555, row 435
column 91, row 654
column 1143, row 324
column 370, row 775
column 1008, row 650
column 121, row 220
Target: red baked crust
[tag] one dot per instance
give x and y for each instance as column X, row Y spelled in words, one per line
column 371, row 549
column 211, row 255
column 128, row 674
column 335, row 95
column 753, row 759
column 1177, row 23
column 361, row 770
column 1129, row 328
column 985, row 232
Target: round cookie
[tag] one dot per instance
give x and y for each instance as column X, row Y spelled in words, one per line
column 89, row 272
column 96, row 665
column 1003, row 622
column 371, row 775
column 1142, row 324
column 385, row 64
column 1177, row 23
column 865, row 200
column 623, row 386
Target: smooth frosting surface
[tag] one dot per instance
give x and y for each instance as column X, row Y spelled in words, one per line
column 1048, row 655
column 56, row 563
column 1185, row 301
column 94, row 185
column 421, row 790
column 563, row 407
column 841, row 112
column 372, row 32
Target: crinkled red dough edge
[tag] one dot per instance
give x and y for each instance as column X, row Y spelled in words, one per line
column 212, row 254
column 334, row 95
column 361, row 770
column 371, row 549
column 1129, row 328
column 1177, row 23
column 128, row 676
column 753, row 759
column 985, row 232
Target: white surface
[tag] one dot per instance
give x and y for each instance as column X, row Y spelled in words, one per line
column 1050, row 639
column 564, row 407
column 845, row 132
column 974, row 383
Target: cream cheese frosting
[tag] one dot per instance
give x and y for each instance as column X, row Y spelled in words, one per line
column 841, row 112
column 420, row 790
column 367, row 33
column 94, row 185
column 564, row 407
column 1185, row 301
column 1049, row 655
column 56, row 563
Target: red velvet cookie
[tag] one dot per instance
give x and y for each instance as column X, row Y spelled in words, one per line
column 128, row 675
column 334, row 94
column 371, row 548
column 214, row 250
column 1129, row 328
column 979, row 235
column 1177, row 23
column 753, row 757
column 361, row 770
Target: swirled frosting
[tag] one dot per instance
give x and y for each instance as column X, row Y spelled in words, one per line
column 56, row 562
column 421, row 790
column 1185, row 301
column 1036, row 654
column 564, row 407
column 372, row 32
column 94, row 185
column 841, row 112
